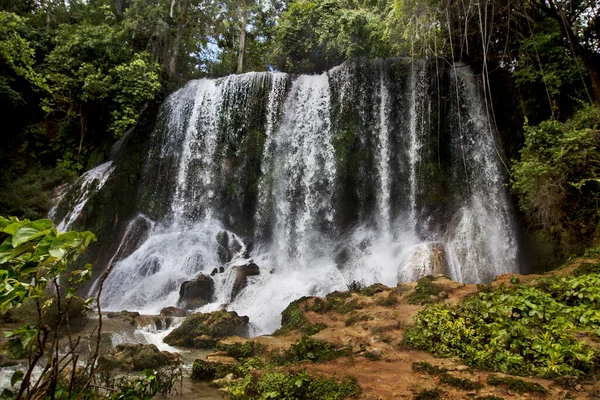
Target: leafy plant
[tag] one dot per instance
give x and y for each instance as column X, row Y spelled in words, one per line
column 520, row 330
column 34, row 255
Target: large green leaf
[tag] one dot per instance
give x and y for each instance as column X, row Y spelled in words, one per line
column 11, row 229
column 63, row 243
column 32, row 230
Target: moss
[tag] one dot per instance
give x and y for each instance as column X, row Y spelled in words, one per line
column 424, row 366
column 460, row 383
column 517, row 385
column 423, row 292
column 242, row 349
column 201, row 330
column 293, row 318
column 445, row 377
column 428, row 394
column 309, row 348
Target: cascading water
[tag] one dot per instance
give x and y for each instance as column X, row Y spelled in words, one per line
column 77, row 195
column 376, row 171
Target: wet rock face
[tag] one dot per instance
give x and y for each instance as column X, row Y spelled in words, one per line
column 196, row 293
column 242, row 272
column 427, row 259
column 230, row 246
column 202, row 330
column 173, row 312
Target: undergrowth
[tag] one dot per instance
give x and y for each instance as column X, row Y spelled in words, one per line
column 522, row 330
column 255, row 380
column 309, row 348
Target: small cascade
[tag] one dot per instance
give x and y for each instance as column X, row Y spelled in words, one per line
column 261, row 188
column 383, row 161
column 75, row 196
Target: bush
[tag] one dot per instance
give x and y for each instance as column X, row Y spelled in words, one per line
column 519, row 330
column 556, row 177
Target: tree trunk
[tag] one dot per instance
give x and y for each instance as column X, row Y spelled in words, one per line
column 119, row 6
column 240, row 67
column 174, row 54
column 172, row 8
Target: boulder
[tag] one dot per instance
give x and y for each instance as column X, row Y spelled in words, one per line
column 426, row 259
column 223, row 239
column 137, row 357
column 342, row 257
column 225, row 254
column 196, row 293
column 242, row 272
column 201, row 330
column 248, row 249
column 173, row 312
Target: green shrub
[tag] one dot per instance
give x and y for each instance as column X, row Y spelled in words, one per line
column 520, row 330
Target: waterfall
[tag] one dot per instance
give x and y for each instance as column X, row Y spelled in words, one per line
column 74, row 197
column 356, row 174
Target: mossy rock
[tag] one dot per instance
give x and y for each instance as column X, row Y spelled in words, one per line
column 201, row 330
column 207, row 370
column 137, row 357
column 293, row 318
